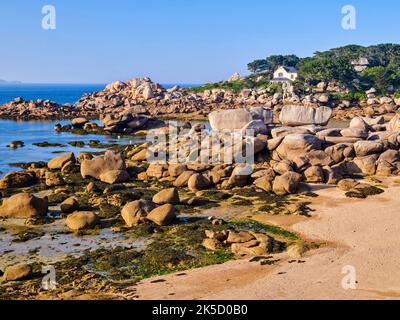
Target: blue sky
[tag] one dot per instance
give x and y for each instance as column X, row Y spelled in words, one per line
column 175, row 41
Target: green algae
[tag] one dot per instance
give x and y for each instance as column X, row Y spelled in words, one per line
column 246, row 224
column 364, row 192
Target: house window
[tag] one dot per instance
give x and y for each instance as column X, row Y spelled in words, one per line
column 292, row 76
column 280, row 75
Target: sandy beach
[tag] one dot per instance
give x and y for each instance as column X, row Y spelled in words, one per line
column 361, row 233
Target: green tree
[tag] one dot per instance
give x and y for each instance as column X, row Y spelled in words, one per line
column 379, row 77
column 269, row 64
column 258, row 66
column 326, row 68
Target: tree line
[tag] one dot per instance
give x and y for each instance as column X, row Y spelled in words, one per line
column 337, row 65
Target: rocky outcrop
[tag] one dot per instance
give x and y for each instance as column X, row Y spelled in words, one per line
column 38, row 110
column 124, row 123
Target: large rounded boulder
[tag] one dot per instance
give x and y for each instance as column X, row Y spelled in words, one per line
column 231, row 119
column 24, row 205
column 163, row 215
column 295, row 145
column 299, row 115
column 287, row 183
column 134, row 212
column 109, row 168
column 81, row 220
column 60, row 161
column 165, row 196
column 17, row 272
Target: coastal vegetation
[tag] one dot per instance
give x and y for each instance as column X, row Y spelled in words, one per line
column 236, row 86
column 380, row 68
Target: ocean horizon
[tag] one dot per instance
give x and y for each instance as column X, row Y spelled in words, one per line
column 58, row 92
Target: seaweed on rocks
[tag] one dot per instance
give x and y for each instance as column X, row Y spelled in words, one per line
column 46, row 144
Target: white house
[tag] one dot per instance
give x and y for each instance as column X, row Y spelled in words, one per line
column 285, row 74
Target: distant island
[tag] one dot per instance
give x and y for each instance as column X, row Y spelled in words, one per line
column 9, row 82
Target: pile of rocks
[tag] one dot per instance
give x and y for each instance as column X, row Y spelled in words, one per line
column 242, row 243
column 372, row 106
column 128, row 121
column 149, row 98
column 159, row 210
column 286, row 155
column 300, row 150
column 154, row 99
column 39, row 109
column 141, row 94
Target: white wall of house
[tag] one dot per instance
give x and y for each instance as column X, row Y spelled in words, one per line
column 282, row 73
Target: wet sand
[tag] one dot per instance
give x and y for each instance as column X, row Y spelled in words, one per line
column 363, row 233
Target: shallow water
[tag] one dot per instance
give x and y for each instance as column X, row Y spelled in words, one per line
column 40, row 131
column 56, row 244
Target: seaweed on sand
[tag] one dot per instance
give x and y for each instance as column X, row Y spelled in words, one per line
column 364, row 192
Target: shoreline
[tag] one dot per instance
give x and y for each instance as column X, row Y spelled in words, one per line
column 201, row 218
column 153, row 99
column 319, row 276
